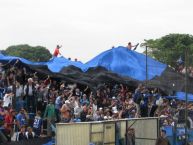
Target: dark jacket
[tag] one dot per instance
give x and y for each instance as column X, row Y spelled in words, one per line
column 22, row 136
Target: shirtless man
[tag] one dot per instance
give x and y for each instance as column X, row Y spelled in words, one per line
column 129, row 46
column 66, row 112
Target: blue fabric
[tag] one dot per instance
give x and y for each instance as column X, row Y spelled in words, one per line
column 82, row 102
column 169, row 130
column 49, row 143
column 58, row 102
column 170, row 97
column 14, row 58
column 182, row 96
column 190, row 135
column 57, row 63
column 128, row 63
column 119, row 60
column 38, row 121
column 2, row 92
column 21, row 118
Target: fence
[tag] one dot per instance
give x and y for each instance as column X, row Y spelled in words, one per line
column 108, row 132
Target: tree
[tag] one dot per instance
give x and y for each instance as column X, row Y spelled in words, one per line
column 168, row 49
column 37, row 53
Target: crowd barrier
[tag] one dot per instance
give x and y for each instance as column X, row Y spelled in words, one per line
column 108, row 132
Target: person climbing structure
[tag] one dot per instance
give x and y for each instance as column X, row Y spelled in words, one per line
column 57, row 51
column 129, row 46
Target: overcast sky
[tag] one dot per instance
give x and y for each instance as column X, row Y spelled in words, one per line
column 87, row 27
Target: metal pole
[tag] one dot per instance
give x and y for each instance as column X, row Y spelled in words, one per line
column 186, row 83
column 146, row 65
column 126, row 134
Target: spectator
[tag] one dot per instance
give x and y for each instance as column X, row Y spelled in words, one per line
column 84, row 100
column 89, row 116
column 78, row 93
column 30, row 134
column 162, row 140
column 5, row 132
column 7, row 99
column 41, row 94
column 9, row 123
column 2, row 112
column 96, row 116
column 22, row 118
column 11, row 77
column 58, row 105
column 66, row 112
column 77, row 111
column 83, row 114
column 94, row 106
column 38, row 124
column 19, row 96
column 50, row 115
column 29, row 92
column 22, row 134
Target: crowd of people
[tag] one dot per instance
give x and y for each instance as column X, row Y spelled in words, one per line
column 23, row 93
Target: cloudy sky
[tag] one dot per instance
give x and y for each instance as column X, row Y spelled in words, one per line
column 87, row 27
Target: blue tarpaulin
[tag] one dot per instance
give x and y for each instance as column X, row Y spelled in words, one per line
column 119, row 60
column 169, row 130
column 182, row 96
column 129, row 63
column 169, row 97
column 57, row 63
column 14, row 58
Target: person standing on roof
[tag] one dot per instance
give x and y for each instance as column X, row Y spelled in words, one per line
column 57, row 51
column 129, row 46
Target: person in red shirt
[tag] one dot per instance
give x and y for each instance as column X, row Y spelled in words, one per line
column 9, row 123
column 57, row 51
column 9, row 117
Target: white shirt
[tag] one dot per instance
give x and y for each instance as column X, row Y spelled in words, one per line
column 30, row 92
column 7, row 100
column 77, row 111
column 19, row 91
column 94, row 107
column 27, row 134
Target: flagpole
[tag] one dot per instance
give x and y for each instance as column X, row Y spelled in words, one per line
column 186, row 96
column 146, row 65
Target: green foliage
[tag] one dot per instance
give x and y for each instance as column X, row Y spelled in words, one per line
column 168, row 49
column 37, row 53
